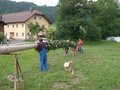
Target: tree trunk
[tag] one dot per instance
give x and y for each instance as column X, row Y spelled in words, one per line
column 9, row 49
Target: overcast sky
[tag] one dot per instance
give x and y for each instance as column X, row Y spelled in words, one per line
column 41, row 2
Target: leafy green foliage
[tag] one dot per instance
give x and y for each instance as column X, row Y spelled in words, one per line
column 1, row 37
column 35, row 29
column 74, row 17
column 108, row 17
column 100, row 17
column 56, row 44
column 93, row 33
column 51, row 32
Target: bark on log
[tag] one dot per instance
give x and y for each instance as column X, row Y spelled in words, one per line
column 9, row 49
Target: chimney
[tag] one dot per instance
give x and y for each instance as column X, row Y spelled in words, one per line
column 31, row 10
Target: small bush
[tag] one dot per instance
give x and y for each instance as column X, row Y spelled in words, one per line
column 1, row 37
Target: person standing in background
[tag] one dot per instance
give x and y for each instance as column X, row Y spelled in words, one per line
column 80, row 44
column 66, row 49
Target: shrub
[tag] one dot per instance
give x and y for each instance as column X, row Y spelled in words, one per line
column 1, row 37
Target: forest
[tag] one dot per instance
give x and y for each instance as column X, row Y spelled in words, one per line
column 88, row 19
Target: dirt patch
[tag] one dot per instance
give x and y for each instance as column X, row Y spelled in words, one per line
column 59, row 85
column 75, row 81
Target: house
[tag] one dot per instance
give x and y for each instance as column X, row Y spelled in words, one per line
column 1, row 24
column 17, row 23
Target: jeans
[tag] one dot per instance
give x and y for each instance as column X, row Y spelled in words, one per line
column 80, row 50
column 43, row 60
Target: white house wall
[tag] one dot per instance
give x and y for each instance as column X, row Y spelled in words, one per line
column 17, row 28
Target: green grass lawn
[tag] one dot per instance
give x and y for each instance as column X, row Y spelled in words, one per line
column 97, row 69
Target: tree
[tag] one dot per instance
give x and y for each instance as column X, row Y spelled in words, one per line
column 100, row 17
column 108, row 17
column 35, row 29
column 51, row 32
column 74, row 14
column 93, row 32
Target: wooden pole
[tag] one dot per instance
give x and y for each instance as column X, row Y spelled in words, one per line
column 18, row 76
column 13, row 48
column 15, row 76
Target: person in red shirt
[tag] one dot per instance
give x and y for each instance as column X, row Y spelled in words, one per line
column 80, row 44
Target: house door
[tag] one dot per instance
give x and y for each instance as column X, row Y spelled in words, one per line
column 11, row 35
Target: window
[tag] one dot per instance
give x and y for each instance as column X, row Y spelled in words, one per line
column 22, row 25
column 13, row 25
column 16, row 25
column 22, row 34
column 35, row 17
column 16, row 34
column 8, row 26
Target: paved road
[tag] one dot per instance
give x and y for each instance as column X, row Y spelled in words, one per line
column 19, row 42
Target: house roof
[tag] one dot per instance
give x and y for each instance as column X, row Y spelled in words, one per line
column 1, row 21
column 21, row 16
